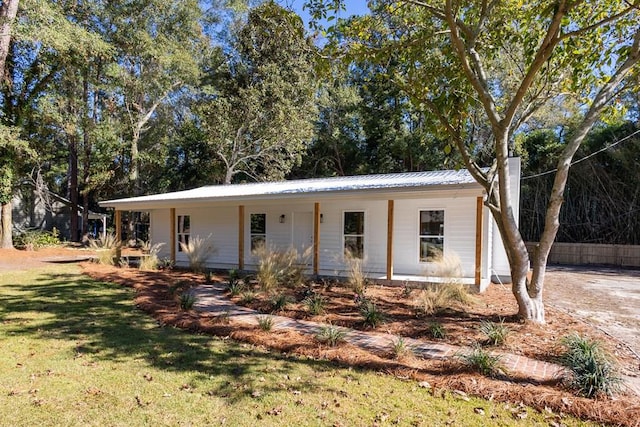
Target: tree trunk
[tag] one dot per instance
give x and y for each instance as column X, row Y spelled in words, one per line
column 8, row 12
column 7, row 225
column 73, row 188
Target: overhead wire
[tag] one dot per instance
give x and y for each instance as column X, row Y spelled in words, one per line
column 585, row 157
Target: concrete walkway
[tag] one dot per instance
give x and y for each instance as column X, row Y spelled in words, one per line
column 211, row 298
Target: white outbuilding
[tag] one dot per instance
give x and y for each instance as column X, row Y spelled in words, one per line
column 399, row 224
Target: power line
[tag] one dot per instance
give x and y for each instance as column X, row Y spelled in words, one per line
column 584, row 158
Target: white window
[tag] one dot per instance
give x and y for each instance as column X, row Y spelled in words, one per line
column 431, row 235
column 184, row 230
column 353, row 234
column 258, row 230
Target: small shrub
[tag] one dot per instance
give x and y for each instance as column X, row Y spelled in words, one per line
column 187, row 299
column 108, row 250
column 401, row 349
column 406, row 290
column 437, row 331
column 592, row 370
column 280, row 268
column 279, row 303
column 247, row 296
column 482, row 361
column 36, row 239
column 265, row 322
column 197, row 251
column 166, row 264
column 315, row 304
column 331, row 335
column 371, row 314
column 151, row 261
column 496, row 333
column 357, row 277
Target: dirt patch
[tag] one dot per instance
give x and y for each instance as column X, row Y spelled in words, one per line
column 154, row 295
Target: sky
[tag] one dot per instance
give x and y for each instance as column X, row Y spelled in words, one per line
column 352, row 7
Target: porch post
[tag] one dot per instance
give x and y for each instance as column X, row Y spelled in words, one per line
column 479, row 209
column 118, row 224
column 241, row 237
column 104, row 228
column 172, row 233
column 390, row 240
column 316, row 238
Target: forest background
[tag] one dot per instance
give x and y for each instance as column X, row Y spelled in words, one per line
column 102, row 100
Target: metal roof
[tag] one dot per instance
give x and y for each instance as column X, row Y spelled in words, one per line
column 301, row 187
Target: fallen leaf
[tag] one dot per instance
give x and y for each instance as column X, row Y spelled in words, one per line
column 424, row 384
column 275, row 411
column 478, row 411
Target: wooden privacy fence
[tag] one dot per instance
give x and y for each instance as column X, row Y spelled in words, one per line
column 591, row 253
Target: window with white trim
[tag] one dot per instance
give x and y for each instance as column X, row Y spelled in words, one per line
column 184, row 230
column 353, row 233
column 431, row 235
column 258, row 230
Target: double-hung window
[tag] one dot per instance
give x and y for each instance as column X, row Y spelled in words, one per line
column 184, row 230
column 431, row 235
column 258, row 230
column 353, row 234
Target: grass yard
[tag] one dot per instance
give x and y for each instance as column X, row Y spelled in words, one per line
column 74, row 351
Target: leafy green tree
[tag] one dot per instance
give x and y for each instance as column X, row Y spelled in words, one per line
column 483, row 69
column 258, row 114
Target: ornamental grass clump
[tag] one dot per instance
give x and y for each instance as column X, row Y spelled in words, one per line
column 331, row 335
column 265, row 323
column 187, row 300
column 496, row 333
column 150, row 260
column 315, row 304
column 401, row 349
column 482, row 361
column 371, row 314
column 197, row 251
column 437, row 331
column 279, row 303
column 438, row 297
column 592, row 370
column 108, row 249
column 357, row 278
column 280, row 268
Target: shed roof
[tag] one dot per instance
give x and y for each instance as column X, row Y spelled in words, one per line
column 407, row 181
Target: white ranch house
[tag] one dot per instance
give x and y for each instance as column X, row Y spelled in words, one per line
column 398, row 223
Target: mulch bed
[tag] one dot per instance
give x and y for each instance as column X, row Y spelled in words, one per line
column 154, row 296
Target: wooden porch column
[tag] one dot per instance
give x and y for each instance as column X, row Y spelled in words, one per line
column 479, row 209
column 118, row 224
column 316, row 238
column 172, row 233
column 390, row 240
column 241, row 237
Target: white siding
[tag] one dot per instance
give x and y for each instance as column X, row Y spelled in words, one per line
column 159, row 230
column 459, row 233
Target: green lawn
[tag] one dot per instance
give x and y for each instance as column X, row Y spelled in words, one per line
column 77, row 352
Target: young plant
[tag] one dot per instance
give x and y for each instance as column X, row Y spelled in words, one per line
column 187, row 299
column 331, row 335
column 279, row 303
column 437, row 331
column 593, row 372
column 247, row 296
column 315, row 304
column 235, row 287
column 265, row 323
column 401, row 349
column 197, row 251
column 108, row 250
column 496, row 333
column 371, row 314
column 482, row 361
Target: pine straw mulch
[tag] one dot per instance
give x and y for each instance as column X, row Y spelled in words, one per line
column 153, row 296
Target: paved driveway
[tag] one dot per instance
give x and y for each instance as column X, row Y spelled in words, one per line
column 608, row 298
